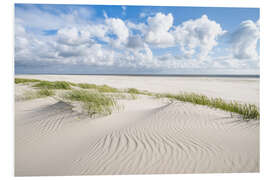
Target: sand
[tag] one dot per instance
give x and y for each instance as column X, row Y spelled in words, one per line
column 148, row 136
column 244, row 90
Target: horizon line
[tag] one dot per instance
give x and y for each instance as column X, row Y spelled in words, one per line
column 137, row 74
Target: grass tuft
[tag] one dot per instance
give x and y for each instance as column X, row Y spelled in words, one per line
column 21, row 80
column 100, row 88
column 87, row 86
column 97, row 103
column 71, row 83
column 248, row 111
column 94, row 102
column 38, row 94
column 133, row 91
column 53, row 85
column 127, row 96
column 45, row 92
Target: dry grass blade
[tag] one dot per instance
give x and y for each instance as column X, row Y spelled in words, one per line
column 94, row 102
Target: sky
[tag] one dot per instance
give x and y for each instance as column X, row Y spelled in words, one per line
column 104, row 39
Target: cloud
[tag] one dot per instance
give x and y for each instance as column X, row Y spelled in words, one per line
column 140, row 27
column 244, row 40
column 39, row 19
column 200, row 34
column 118, row 28
column 154, row 44
column 135, row 42
column 73, row 36
column 158, row 30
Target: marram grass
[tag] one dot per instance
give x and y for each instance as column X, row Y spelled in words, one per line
column 248, row 111
column 133, row 91
column 21, row 80
column 53, row 85
column 100, row 88
column 94, row 102
column 126, row 96
column 136, row 91
column 38, row 94
column 45, row 92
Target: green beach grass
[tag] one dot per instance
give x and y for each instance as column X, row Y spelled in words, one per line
column 97, row 102
column 21, row 80
column 53, row 85
column 100, row 88
column 94, row 102
column 46, row 84
column 45, row 92
column 136, row 91
column 248, row 111
column 41, row 93
column 133, row 91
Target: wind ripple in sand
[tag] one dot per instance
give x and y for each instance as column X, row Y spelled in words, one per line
column 175, row 138
column 160, row 145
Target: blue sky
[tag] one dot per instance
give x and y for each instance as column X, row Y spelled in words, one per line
column 82, row 39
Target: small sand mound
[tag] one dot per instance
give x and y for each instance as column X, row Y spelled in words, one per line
column 152, row 138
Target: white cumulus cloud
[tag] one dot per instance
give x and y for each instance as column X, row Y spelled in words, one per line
column 118, row 27
column 158, row 30
column 155, row 43
column 201, row 33
column 244, row 40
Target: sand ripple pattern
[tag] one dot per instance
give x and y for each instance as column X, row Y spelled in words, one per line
column 174, row 138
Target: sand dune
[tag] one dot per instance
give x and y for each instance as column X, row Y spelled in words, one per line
column 148, row 136
column 239, row 89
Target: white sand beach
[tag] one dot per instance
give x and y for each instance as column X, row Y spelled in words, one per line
column 147, row 136
column 238, row 89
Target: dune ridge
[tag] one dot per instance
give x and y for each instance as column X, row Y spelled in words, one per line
column 149, row 136
column 239, row 89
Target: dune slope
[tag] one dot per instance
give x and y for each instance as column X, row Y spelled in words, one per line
column 148, row 136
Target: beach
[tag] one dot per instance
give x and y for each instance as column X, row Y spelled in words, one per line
column 146, row 136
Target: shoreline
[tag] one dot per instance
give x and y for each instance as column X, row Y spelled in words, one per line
column 162, row 75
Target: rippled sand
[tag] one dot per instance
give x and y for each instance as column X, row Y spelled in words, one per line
column 148, row 136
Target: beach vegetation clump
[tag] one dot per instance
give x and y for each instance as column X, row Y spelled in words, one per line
column 248, row 111
column 87, row 86
column 123, row 96
column 45, row 92
column 21, row 80
column 71, row 83
column 37, row 94
column 95, row 103
column 107, row 102
column 100, row 88
column 133, row 91
column 136, row 91
column 53, row 85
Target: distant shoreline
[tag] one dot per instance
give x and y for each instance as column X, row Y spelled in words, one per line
column 165, row 75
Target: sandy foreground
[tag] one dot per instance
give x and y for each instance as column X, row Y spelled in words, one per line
column 147, row 136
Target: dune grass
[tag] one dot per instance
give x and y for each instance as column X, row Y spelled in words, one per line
column 21, row 80
column 45, row 92
column 133, row 91
column 100, row 88
column 127, row 96
column 248, row 111
column 38, row 94
column 53, row 85
column 136, row 91
column 94, row 102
